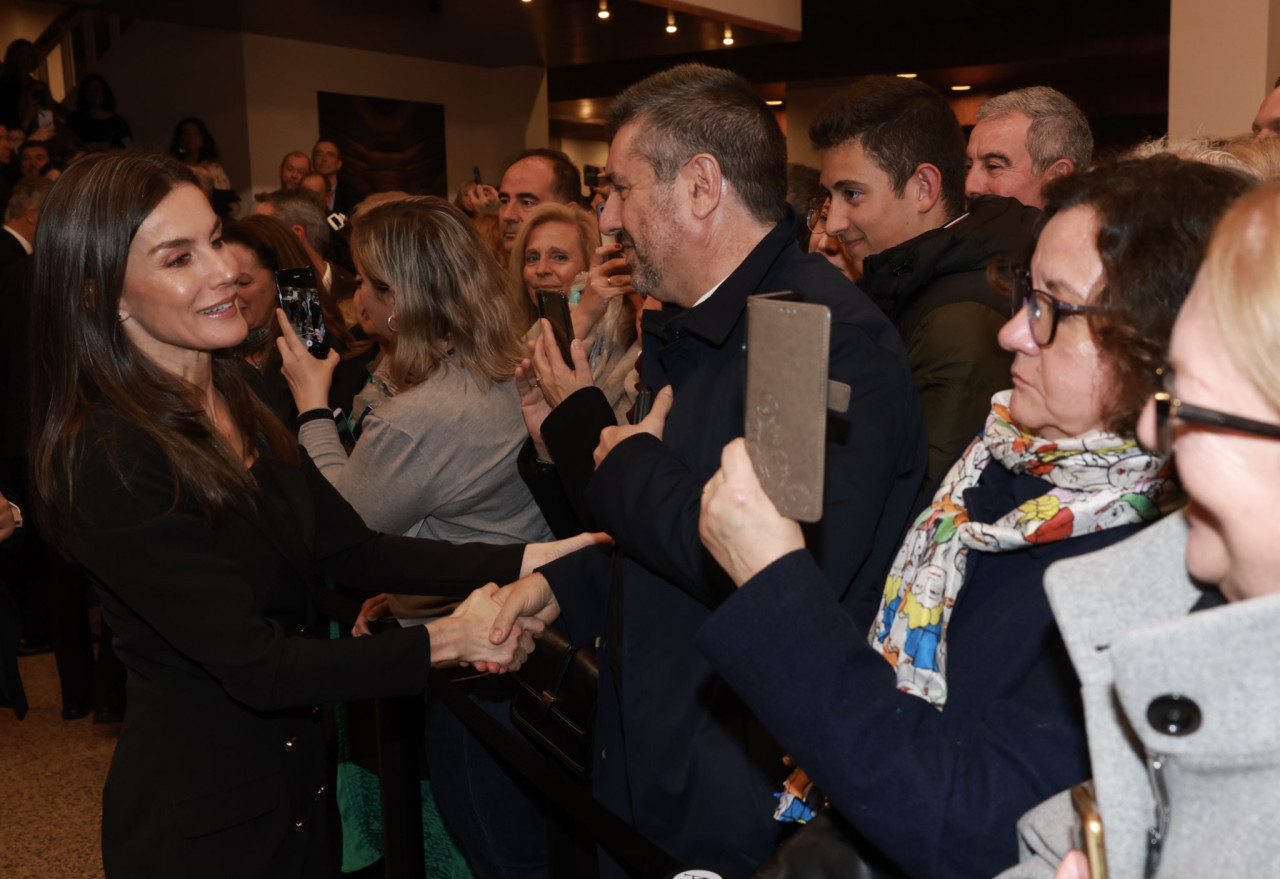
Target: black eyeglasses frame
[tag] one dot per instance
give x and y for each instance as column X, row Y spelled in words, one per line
column 1169, row 408
column 1023, row 293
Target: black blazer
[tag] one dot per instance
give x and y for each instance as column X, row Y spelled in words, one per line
column 219, row 770
column 11, row 250
column 346, row 197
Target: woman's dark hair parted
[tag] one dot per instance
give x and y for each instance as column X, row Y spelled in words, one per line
column 1148, row 266
column 88, row 224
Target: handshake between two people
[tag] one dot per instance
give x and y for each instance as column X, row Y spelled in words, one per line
column 494, row 628
column 738, row 524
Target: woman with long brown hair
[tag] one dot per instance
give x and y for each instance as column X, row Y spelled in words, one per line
column 158, row 469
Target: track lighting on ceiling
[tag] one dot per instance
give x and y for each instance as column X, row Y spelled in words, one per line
column 728, row 34
column 671, row 21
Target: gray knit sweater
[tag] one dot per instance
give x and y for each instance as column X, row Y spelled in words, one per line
column 437, row 461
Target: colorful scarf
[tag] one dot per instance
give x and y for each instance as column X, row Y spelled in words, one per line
column 1099, row 480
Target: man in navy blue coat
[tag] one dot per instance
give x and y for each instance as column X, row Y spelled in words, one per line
column 697, row 170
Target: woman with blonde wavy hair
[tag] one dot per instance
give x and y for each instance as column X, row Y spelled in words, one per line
column 556, row 243
column 435, row 457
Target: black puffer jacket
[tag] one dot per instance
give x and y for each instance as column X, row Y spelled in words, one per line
column 934, row 288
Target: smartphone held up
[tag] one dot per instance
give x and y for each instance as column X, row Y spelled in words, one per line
column 300, row 298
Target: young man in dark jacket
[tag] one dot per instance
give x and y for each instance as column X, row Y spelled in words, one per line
column 893, row 159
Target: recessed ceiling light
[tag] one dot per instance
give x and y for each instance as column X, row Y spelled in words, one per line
column 604, row 9
column 728, row 34
column 671, row 21
column 773, row 103
column 901, row 75
column 961, row 88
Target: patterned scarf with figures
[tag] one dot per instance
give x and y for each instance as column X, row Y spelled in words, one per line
column 1099, row 481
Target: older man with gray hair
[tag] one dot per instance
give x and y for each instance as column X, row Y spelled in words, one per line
column 302, row 211
column 20, row 219
column 1023, row 139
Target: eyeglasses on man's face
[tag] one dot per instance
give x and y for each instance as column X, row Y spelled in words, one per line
column 1044, row 310
column 1169, row 409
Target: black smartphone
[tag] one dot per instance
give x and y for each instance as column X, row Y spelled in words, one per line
column 644, row 402
column 554, row 306
column 300, row 298
column 475, row 174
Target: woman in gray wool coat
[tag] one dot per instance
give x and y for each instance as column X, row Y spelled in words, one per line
column 1173, row 633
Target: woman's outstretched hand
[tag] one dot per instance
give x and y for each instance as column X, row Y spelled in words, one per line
column 465, row 636
column 538, row 554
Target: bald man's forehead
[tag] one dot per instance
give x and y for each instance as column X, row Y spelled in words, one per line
column 532, row 175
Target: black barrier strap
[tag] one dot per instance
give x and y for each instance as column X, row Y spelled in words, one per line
column 636, row 853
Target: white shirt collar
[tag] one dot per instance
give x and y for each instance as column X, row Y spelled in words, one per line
column 26, row 245
column 707, row 295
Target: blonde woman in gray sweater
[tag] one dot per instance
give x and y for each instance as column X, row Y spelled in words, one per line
column 440, row 431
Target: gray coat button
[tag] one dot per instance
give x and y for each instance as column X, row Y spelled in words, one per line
column 1174, row 715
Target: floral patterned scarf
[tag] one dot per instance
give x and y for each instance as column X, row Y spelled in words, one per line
column 1099, row 481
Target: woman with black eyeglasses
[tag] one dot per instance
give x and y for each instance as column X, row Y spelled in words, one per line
column 1181, row 704
column 933, row 725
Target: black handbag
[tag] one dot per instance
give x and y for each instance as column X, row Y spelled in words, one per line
column 555, row 700
column 827, row 848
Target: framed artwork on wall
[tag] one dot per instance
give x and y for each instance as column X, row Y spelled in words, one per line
column 386, row 144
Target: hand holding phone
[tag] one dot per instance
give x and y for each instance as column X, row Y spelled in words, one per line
column 608, row 275
column 309, row 379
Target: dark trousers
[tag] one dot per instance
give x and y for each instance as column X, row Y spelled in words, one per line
column 500, row 820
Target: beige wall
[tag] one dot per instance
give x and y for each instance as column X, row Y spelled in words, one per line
column 26, row 20
column 489, row 114
column 161, row 73
column 584, row 152
column 1223, row 57
column 258, row 96
column 802, row 106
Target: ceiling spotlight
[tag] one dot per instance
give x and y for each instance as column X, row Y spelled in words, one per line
column 671, row 21
column 961, row 88
column 604, row 9
column 728, row 34
column 900, row 75
column 773, row 103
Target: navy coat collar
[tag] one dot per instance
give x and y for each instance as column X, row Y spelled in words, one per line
column 715, row 319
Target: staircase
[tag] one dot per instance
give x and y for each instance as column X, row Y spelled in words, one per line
column 72, row 44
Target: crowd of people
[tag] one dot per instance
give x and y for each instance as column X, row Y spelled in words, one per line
column 1043, row 562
